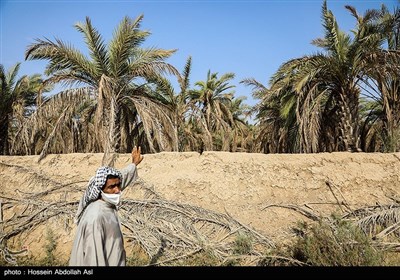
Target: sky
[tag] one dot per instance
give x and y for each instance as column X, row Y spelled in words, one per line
column 248, row 38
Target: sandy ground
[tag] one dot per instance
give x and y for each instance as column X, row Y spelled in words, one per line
column 249, row 187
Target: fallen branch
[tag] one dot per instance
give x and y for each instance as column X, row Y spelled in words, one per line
column 296, row 208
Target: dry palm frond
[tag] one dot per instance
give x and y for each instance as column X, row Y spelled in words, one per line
column 296, row 208
column 9, row 255
column 388, row 230
column 149, row 189
column 33, row 178
column 42, row 212
column 175, row 229
column 378, row 220
column 157, row 124
column 340, row 203
column 57, row 127
column 387, row 246
column 42, row 131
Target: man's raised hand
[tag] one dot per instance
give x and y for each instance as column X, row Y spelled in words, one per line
column 137, row 157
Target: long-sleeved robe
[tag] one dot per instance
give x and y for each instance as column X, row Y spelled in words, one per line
column 99, row 240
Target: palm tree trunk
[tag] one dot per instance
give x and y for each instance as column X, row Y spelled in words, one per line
column 107, row 124
column 349, row 125
column 391, row 120
column 113, row 135
column 4, row 135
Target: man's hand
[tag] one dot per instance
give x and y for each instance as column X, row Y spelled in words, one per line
column 136, row 156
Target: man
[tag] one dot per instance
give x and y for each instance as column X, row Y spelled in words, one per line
column 99, row 240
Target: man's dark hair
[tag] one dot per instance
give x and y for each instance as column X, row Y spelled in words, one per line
column 110, row 176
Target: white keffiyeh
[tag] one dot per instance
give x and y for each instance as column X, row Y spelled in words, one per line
column 92, row 192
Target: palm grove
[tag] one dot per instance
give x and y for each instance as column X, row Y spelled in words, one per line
column 346, row 97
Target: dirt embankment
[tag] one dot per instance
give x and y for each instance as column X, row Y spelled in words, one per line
column 259, row 190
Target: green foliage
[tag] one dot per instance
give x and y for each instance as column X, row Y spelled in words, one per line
column 392, row 142
column 202, row 258
column 278, row 256
column 137, row 257
column 50, row 247
column 339, row 243
column 243, row 244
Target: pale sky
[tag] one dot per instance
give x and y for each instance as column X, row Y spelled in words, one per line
column 248, row 38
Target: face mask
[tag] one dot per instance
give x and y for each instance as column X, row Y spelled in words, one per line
column 112, row 198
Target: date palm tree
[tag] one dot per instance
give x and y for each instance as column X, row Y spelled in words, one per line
column 213, row 102
column 242, row 138
column 116, row 78
column 181, row 106
column 275, row 118
column 382, row 78
column 17, row 99
column 327, row 85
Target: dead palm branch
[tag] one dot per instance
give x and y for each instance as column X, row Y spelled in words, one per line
column 53, row 119
column 378, row 221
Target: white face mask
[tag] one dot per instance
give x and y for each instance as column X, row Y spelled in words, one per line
column 112, row 198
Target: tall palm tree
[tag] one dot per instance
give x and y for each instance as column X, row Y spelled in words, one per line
column 265, row 130
column 17, row 98
column 372, row 137
column 242, row 135
column 275, row 116
column 116, row 76
column 213, row 101
column 181, row 106
column 327, row 86
column 382, row 74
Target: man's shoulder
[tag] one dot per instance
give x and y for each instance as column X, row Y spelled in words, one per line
column 94, row 211
column 131, row 167
column 95, row 204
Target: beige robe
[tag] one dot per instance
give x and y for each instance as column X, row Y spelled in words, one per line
column 99, row 240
